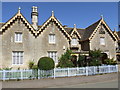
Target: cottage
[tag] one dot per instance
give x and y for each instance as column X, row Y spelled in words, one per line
column 21, row 41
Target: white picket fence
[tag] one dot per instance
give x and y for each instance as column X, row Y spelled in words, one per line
column 57, row 72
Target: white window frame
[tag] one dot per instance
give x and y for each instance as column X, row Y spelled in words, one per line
column 18, row 37
column 52, row 38
column 74, row 41
column 102, row 40
column 17, row 57
column 53, row 55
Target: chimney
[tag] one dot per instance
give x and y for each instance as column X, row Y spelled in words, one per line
column 34, row 16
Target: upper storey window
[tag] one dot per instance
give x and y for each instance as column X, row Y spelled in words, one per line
column 52, row 38
column 102, row 41
column 74, row 41
column 18, row 37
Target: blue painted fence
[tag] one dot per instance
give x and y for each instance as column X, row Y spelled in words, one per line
column 57, row 72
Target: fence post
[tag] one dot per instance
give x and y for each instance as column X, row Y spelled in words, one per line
column 4, row 75
column 116, row 68
column 109, row 69
column 68, row 72
column 21, row 74
column 86, row 71
column 94, row 70
column 54, row 73
column 38, row 74
column 77, row 71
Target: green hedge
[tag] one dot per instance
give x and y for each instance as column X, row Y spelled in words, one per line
column 46, row 63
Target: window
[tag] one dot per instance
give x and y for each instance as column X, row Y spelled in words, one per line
column 17, row 57
column 51, row 38
column 18, row 37
column 53, row 55
column 74, row 41
column 102, row 41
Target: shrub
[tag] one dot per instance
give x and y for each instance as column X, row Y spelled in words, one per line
column 34, row 67
column 95, row 59
column 95, row 62
column 96, row 53
column 81, row 61
column 7, row 68
column 110, row 61
column 31, row 64
column 46, row 63
column 65, row 60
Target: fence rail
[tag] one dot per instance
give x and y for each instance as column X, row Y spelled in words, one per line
column 57, row 72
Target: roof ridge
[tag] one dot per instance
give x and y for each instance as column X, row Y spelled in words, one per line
column 93, row 23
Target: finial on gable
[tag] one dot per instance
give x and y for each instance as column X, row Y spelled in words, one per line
column 102, row 17
column 114, row 29
column 19, row 9
column 53, row 13
column 74, row 25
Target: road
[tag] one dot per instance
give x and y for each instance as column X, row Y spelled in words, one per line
column 107, row 84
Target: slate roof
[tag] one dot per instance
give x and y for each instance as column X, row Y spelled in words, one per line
column 81, row 32
column 118, row 33
column 89, row 30
column 85, row 33
column 68, row 30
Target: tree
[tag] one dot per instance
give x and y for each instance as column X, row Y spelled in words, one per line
column 65, row 60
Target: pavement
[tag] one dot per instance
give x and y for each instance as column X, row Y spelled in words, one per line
column 101, row 81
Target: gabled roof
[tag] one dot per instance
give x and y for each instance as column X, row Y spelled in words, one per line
column 75, row 31
column 117, row 34
column 16, row 16
column 106, row 26
column 85, row 33
column 68, row 30
column 81, row 32
column 89, row 30
column 53, row 19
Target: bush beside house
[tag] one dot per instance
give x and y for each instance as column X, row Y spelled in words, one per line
column 46, row 63
column 65, row 60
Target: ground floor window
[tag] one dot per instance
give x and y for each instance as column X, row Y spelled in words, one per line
column 53, row 55
column 17, row 57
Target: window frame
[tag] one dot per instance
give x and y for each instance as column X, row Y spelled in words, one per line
column 51, row 39
column 101, row 42
column 18, row 37
column 75, row 42
column 17, row 57
column 51, row 54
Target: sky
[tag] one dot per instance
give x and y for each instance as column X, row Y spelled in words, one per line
column 82, row 14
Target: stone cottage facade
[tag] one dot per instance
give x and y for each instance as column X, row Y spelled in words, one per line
column 21, row 42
